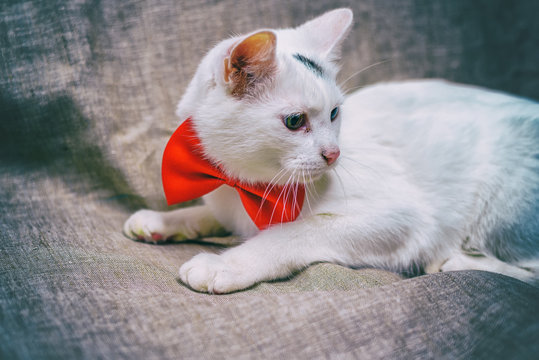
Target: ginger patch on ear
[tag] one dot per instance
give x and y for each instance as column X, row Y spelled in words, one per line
column 251, row 62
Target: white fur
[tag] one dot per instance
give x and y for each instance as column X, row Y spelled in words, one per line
column 428, row 171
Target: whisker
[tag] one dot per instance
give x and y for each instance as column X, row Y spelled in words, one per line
column 307, row 193
column 295, row 206
column 288, row 189
column 362, row 70
column 351, row 174
column 271, row 185
column 309, row 185
column 314, row 187
column 354, row 88
column 278, row 198
column 314, row 191
column 377, row 172
column 342, row 186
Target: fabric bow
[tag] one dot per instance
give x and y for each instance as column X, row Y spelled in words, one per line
column 187, row 174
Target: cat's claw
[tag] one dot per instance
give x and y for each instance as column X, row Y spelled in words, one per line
column 212, row 274
column 146, row 225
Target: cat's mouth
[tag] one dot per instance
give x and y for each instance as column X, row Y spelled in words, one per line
column 303, row 175
column 302, row 170
column 316, row 175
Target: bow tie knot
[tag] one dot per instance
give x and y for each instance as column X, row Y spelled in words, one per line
column 188, row 175
column 230, row 182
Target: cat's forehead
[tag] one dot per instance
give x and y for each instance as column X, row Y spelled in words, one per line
column 299, row 46
column 304, row 83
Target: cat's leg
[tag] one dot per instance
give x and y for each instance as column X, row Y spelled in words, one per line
column 280, row 250
column 463, row 261
column 190, row 223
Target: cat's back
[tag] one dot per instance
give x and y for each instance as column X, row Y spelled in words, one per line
column 474, row 153
column 449, row 123
column 436, row 103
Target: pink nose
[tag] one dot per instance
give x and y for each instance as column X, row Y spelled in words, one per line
column 330, row 155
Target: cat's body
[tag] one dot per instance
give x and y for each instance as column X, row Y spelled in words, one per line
column 430, row 175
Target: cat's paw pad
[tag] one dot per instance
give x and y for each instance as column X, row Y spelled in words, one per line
column 210, row 273
column 146, row 225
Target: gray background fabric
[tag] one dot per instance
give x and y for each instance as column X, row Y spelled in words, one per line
column 87, row 97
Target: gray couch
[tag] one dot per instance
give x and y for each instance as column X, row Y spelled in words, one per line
column 87, row 96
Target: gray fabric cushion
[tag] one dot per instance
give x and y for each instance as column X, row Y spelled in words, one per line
column 87, row 97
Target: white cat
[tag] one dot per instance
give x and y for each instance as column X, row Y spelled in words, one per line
column 431, row 174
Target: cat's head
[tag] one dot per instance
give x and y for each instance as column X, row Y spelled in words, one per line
column 266, row 104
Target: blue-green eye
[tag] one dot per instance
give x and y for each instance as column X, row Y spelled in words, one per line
column 294, row 121
column 334, row 113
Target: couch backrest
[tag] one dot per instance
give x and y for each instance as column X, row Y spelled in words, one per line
column 89, row 88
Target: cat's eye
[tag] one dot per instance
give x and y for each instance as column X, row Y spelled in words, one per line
column 294, row 121
column 334, row 113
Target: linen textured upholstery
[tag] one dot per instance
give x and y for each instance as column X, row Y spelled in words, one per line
column 88, row 91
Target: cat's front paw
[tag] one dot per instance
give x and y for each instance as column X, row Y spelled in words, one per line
column 146, row 225
column 211, row 273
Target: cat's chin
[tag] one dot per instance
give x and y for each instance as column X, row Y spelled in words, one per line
column 304, row 177
column 316, row 176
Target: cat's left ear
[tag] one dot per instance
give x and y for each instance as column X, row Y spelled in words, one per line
column 326, row 32
column 250, row 62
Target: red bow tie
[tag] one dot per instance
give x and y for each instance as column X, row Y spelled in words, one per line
column 188, row 175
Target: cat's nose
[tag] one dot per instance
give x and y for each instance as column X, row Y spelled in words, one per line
column 331, row 154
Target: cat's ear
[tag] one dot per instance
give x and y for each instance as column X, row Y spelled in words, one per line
column 326, row 32
column 250, row 62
